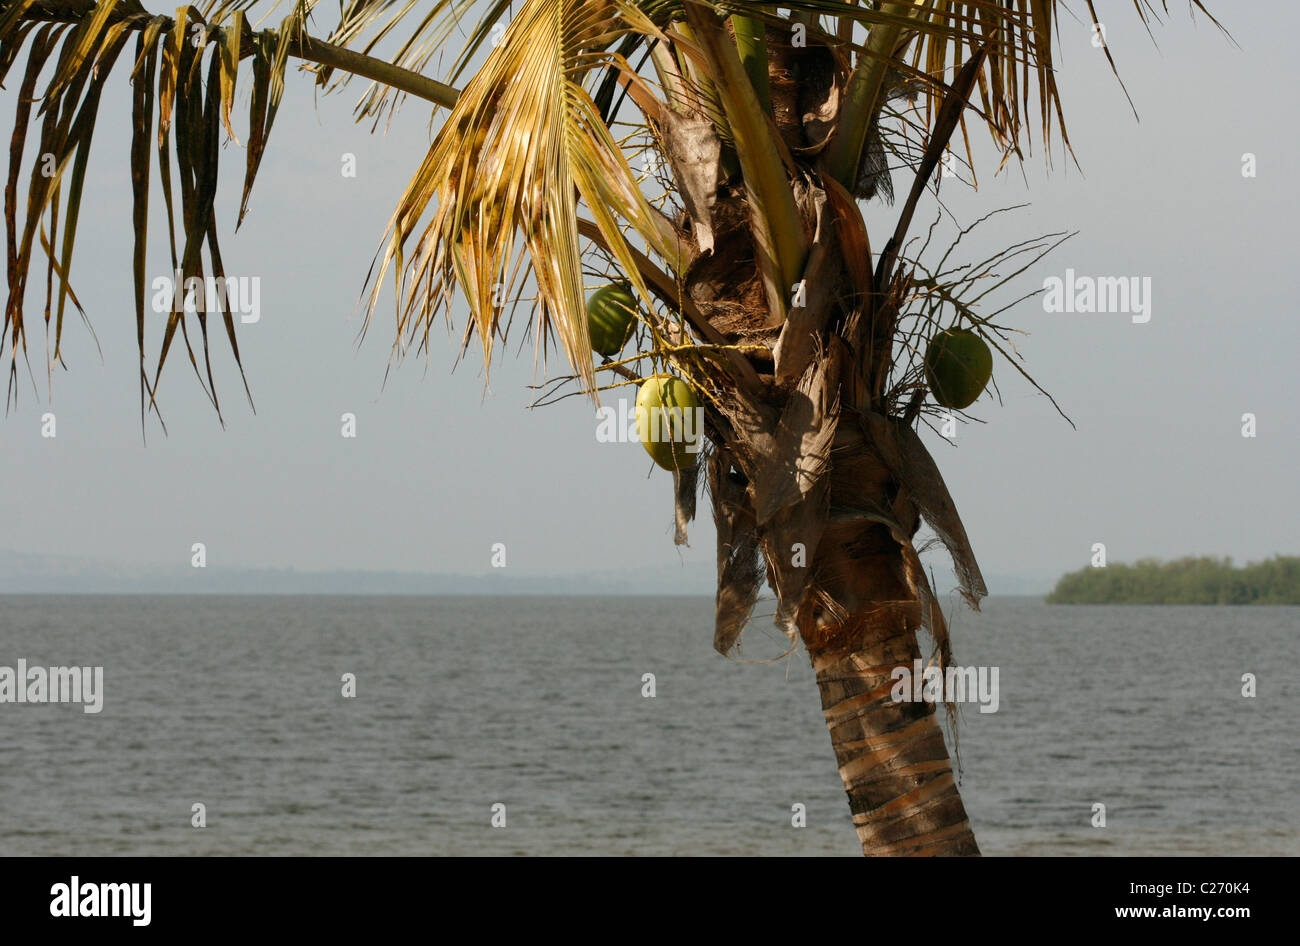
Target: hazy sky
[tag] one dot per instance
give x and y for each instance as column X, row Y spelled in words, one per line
column 441, row 470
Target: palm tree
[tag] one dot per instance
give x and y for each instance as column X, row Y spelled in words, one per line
column 755, row 130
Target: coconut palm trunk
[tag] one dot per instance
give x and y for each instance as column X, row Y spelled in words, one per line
column 858, row 605
column 891, row 755
column 710, row 158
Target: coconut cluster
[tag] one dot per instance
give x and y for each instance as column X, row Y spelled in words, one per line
column 667, row 408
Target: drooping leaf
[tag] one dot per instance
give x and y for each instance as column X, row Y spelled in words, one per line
column 523, row 145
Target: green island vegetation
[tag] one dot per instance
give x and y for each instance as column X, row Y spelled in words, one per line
column 1192, row 580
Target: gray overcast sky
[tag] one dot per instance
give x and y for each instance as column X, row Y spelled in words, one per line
column 440, row 471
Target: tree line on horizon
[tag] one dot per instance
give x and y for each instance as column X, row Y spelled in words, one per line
column 1190, row 580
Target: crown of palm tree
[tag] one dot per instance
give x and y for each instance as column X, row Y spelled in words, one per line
column 529, row 145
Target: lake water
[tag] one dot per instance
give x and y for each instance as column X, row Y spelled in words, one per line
column 536, row 703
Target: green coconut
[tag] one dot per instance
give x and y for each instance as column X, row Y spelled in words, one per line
column 611, row 317
column 668, row 421
column 958, row 366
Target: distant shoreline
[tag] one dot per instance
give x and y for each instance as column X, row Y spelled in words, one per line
column 1199, row 581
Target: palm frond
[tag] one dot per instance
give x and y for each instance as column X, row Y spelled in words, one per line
column 936, row 37
column 184, row 74
column 523, row 146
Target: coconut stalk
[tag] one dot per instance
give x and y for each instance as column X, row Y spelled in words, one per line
column 862, row 93
column 751, row 43
column 778, row 227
